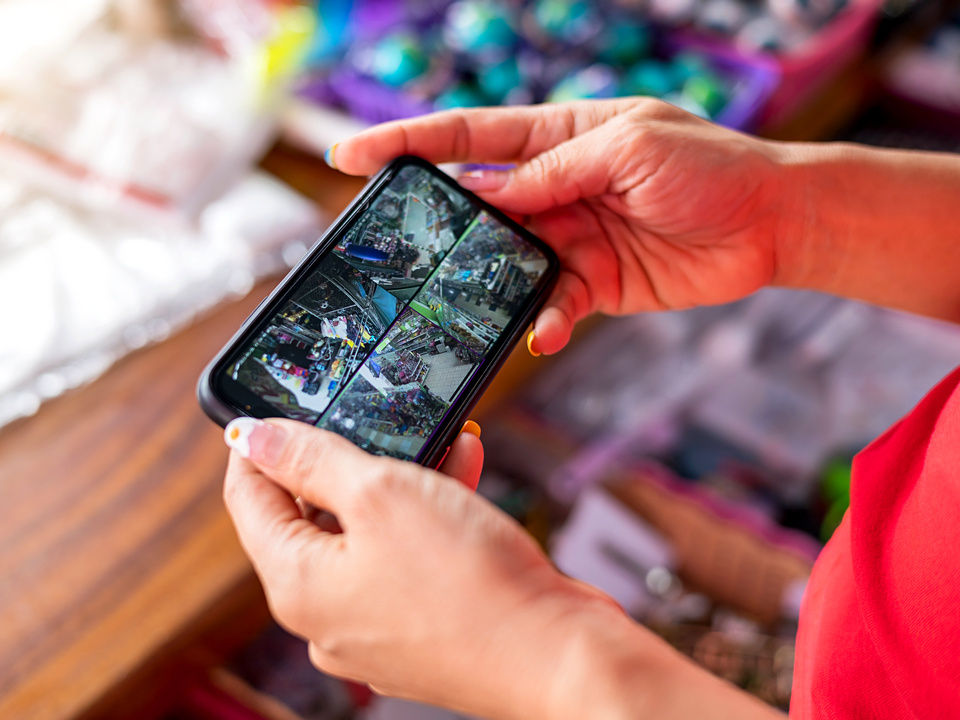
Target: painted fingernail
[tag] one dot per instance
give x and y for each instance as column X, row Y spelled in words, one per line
column 531, row 336
column 329, row 156
column 255, row 439
column 471, row 427
column 484, row 180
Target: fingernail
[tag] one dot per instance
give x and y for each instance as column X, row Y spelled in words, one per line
column 483, row 180
column 531, row 336
column 328, row 156
column 255, row 440
column 471, row 427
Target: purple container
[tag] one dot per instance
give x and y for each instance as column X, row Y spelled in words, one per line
column 752, row 83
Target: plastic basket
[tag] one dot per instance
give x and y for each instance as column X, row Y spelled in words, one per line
column 371, row 101
column 803, row 72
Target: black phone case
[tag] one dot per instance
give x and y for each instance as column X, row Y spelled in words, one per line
column 432, row 453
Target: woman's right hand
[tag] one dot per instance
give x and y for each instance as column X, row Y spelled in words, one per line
column 647, row 206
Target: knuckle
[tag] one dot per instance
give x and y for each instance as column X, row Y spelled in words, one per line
column 370, row 485
column 653, row 108
column 300, row 458
column 461, row 138
column 637, row 135
column 547, row 167
column 372, row 488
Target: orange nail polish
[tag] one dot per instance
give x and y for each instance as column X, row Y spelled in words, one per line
column 531, row 336
column 471, row 427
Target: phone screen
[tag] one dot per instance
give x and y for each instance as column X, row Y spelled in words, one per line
column 384, row 332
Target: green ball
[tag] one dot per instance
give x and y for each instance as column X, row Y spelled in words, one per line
column 707, row 91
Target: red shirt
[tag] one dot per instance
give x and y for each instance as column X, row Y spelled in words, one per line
column 880, row 624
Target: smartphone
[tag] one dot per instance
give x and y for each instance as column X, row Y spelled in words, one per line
column 390, row 328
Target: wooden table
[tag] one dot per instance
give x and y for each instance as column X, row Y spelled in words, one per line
column 117, row 555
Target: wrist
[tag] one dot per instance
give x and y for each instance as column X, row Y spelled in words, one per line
column 607, row 666
column 869, row 224
column 811, row 177
column 611, row 668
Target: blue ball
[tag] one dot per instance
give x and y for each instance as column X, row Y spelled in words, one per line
column 480, row 28
column 398, row 59
column 459, row 95
column 498, row 80
column 686, row 65
column 623, row 42
column 570, row 21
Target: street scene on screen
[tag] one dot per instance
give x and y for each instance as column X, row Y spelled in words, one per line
column 378, row 342
column 400, row 394
column 407, row 231
column 317, row 340
column 482, row 283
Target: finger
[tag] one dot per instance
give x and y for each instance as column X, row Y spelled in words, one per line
column 568, row 304
column 602, row 159
column 464, row 462
column 472, row 135
column 265, row 515
column 318, row 465
column 584, row 166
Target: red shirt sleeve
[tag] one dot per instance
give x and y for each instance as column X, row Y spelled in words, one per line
column 880, row 624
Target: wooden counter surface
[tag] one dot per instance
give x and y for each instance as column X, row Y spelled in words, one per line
column 115, row 549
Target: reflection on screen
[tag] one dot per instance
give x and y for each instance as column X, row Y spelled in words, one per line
column 379, row 340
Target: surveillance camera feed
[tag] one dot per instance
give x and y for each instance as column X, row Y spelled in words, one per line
column 377, row 342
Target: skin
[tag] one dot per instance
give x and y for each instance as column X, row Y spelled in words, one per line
column 430, row 592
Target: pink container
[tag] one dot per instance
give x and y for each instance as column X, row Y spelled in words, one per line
column 812, row 65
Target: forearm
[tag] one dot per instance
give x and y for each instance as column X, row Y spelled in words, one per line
column 615, row 669
column 875, row 225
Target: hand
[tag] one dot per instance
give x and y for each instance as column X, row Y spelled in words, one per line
column 429, row 593
column 648, row 207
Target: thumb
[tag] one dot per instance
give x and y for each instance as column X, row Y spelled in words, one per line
column 464, row 462
column 578, row 168
column 317, row 465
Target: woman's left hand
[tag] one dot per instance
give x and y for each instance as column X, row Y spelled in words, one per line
column 429, row 593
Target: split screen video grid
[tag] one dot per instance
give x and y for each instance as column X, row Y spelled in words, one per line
column 377, row 342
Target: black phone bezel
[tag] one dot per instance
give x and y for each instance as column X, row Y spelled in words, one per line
column 222, row 409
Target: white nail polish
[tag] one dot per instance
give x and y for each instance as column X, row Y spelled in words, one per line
column 237, row 434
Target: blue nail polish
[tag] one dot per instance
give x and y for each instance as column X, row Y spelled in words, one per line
column 328, row 156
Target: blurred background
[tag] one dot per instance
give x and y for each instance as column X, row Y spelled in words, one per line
column 160, row 168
